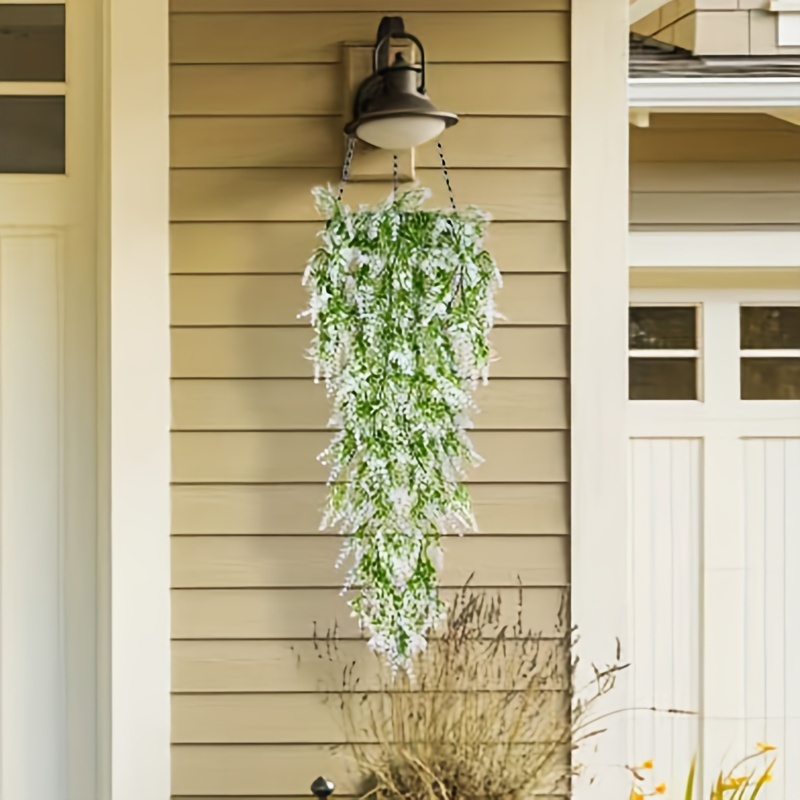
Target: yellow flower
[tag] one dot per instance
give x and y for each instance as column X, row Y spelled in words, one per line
column 661, row 788
column 636, row 795
column 647, row 764
column 767, row 777
column 765, row 748
column 734, row 782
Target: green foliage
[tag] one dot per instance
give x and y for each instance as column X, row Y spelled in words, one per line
column 402, row 306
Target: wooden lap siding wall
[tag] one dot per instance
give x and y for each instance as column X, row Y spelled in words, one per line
column 715, row 170
column 256, row 116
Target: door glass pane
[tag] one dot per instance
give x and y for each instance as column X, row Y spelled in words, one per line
column 770, row 327
column 662, row 328
column 771, row 379
column 31, row 42
column 32, row 135
column 663, row 379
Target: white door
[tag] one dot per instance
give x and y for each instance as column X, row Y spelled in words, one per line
column 715, row 528
column 47, row 401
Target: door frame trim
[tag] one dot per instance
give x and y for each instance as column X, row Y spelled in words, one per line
column 134, row 417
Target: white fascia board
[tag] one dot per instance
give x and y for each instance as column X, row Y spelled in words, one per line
column 710, row 93
column 714, row 249
column 788, row 12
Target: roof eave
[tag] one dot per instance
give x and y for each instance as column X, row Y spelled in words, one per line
column 659, row 93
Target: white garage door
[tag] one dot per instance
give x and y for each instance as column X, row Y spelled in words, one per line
column 715, row 528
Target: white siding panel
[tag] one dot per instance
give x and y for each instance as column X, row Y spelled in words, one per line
column 687, row 543
column 666, row 546
column 755, row 591
column 724, row 602
column 772, row 619
column 642, row 656
column 777, row 644
column 792, row 618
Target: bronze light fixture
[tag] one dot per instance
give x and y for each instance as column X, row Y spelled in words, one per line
column 392, row 110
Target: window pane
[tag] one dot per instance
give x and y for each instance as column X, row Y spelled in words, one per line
column 663, row 379
column 771, row 379
column 31, row 42
column 770, row 327
column 32, row 134
column 662, row 328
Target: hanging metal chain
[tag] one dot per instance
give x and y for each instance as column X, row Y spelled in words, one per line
column 446, row 176
column 395, row 178
column 348, row 161
column 459, row 281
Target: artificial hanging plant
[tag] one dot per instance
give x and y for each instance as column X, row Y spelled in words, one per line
column 402, row 303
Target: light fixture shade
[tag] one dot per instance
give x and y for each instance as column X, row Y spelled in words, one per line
column 399, row 133
column 392, row 110
column 399, row 117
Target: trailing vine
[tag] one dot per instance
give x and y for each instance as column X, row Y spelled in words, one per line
column 402, row 303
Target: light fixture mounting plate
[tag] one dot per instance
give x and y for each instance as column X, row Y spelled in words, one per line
column 371, row 163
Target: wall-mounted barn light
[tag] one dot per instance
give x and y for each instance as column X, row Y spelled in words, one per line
column 391, row 109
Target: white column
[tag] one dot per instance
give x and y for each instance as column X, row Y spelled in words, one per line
column 599, row 300
column 134, row 309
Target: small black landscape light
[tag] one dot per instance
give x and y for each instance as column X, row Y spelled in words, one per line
column 392, row 110
column 322, row 788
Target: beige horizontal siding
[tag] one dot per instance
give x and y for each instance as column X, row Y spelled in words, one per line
column 716, row 277
column 754, row 145
column 716, row 208
column 727, row 176
column 256, row 122
column 717, row 122
column 263, row 247
column 253, row 771
column 291, row 457
column 302, row 613
column 216, row 667
column 512, row 509
column 474, row 89
column 396, row 7
column 273, row 405
column 223, row 38
column 246, row 562
column 718, row 170
column 300, row 718
column 278, row 299
column 279, row 352
column 527, row 142
column 283, row 195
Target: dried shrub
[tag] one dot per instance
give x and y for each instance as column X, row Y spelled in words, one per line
column 490, row 711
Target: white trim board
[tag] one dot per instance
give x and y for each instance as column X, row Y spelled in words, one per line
column 134, row 399
column 714, row 249
column 598, row 331
column 720, row 94
column 788, row 21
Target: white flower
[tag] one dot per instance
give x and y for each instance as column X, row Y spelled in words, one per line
column 400, row 349
column 436, row 556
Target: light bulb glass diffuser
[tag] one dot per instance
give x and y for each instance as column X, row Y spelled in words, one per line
column 400, row 132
